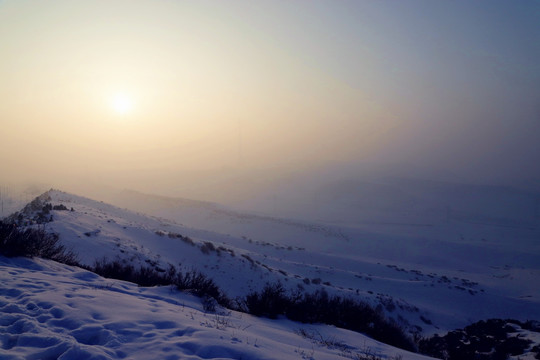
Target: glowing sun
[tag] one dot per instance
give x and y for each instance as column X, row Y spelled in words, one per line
column 122, row 104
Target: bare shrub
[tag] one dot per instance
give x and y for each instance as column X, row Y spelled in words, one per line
column 207, row 247
column 192, row 281
column 319, row 307
column 32, row 242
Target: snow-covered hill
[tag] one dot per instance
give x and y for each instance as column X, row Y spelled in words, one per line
column 455, row 269
column 428, row 278
column 54, row 311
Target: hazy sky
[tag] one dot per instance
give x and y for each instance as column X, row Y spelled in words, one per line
column 94, row 88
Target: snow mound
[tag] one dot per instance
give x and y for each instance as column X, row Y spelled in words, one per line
column 54, row 311
column 429, row 279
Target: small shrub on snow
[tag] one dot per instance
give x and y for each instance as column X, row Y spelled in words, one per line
column 32, row 242
column 193, row 281
column 492, row 339
column 319, row 307
column 248, row 258
column 200, row 285
column 142, row 276
column 60, row 207
column 270, row 302
column 207, row 247
column 187, row 240
column 174, row 235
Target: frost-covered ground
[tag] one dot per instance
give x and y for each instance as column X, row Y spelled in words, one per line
column 54, row 311
column 430, row 277
column 436, row 278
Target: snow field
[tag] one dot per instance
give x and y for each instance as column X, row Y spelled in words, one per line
column 54, row 311
column 436, row 278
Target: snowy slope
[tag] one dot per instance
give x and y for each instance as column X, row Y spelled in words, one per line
column 429, row 278
column 480, row 260
column 54, row 311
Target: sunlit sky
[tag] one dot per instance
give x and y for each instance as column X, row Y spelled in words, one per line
column 101, row 87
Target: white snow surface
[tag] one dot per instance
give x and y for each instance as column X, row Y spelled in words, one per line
column 438, row 277
column 54, row 311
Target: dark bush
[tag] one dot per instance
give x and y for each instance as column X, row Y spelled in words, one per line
column 248, row 258
column 47, row 208
column 142, row 276
column 319, row 307
column 207, row 247
column 532, row 325
column 193, row 281
column 270, row 302
column 536, row 350
column 186, row 239
column 513, row 346
column 32, row 242
column 201, row 285
column 113, row 270
column 491, row 339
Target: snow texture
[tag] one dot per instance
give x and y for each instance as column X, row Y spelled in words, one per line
column 437, row 278
column 430, row 277
column 54, row 311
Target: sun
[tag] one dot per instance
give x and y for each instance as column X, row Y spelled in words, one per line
column 122, row 104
